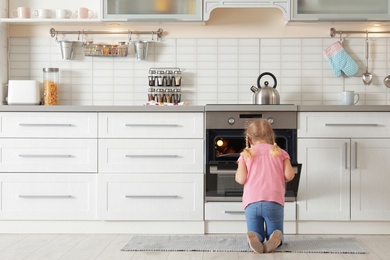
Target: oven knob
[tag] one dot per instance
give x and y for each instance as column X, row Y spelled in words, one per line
column 270, row 120
column 231, row 121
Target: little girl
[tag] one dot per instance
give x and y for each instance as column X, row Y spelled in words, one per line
column 263, row 169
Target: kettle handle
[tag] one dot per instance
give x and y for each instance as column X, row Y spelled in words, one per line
column 269, row 74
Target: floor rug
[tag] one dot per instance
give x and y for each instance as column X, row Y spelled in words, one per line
column 238, row 243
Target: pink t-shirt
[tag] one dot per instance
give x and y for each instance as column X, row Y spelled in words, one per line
column 265, row 179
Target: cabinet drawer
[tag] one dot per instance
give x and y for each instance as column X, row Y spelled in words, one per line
column 48, row 155
column 151, row 197
column 151, row 125
column 48, row 196
column 41, row 124
column 148, row 155
column 344, row 124
column 234, row 211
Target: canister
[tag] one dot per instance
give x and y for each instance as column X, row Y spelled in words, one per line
column 50, row 86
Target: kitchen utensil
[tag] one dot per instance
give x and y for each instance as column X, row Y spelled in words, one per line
column 367, row 77
column 387, row 81
column 265, row 95
column 67, row 48
column 141, row 49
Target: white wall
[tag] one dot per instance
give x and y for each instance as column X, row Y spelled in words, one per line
column 215, row 70
column 221, row 60
column 3, row 51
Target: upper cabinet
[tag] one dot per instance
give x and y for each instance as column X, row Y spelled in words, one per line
column 340, row 10
column 147, row 10
column 210, row 5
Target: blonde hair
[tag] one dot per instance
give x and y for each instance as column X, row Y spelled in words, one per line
column 260, row 130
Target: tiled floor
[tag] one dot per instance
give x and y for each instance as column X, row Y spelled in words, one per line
column 107, row 247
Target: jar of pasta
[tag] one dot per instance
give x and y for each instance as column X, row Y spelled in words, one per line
column 50, row 86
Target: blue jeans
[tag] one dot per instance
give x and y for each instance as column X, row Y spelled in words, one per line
column 264, row 212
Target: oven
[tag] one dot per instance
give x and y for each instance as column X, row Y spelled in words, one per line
column 225, row 139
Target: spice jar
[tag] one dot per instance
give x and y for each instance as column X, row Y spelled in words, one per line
column 152, row 78
column 168, row 95
column 160, row 78
column 160, row 95
column 106, row 49
column 88, row 48
column 176, row 95
column 114, row 49
column 169, row 78
column 177, row 78
column 50, row 86
column 122, row 49
column 151, row 93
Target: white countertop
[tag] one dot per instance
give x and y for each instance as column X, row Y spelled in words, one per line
column 300, row 108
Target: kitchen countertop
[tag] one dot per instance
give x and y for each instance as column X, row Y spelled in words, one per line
column 299, row 108
column 15, row 108
column 342, row 108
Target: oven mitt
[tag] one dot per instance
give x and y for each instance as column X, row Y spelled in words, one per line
column 339, row 60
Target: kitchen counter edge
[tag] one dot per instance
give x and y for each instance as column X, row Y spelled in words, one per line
column 200, row 108
column 16, row 108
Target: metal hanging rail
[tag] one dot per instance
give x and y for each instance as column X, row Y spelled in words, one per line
column 158, row 33
column 334, row 32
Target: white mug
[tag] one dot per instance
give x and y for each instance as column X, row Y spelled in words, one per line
column 42, row 13
column 63, row 13
column 349, row 98
column 21, row 12
column 84, row 13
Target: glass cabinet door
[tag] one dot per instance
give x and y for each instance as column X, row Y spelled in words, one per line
column 341, row 10
column 182, row 10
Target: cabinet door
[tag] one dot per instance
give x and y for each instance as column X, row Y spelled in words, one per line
column 148, row 155
column 324, row 190
column 48, row 196
column 370, row 180
column 340, row 10
column 151, row 197
column 48, row 125
column 151, row 125
column 48, row 155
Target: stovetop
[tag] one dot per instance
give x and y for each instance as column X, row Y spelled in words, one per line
column 250, row 107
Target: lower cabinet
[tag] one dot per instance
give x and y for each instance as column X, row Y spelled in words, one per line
column 229, row 217
column 234, row 211
column 344, row 179
column 48, row 196
column 151, row 197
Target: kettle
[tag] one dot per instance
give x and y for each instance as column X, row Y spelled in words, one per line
column 265, row 95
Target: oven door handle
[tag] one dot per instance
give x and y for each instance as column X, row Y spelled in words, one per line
column 214, row 170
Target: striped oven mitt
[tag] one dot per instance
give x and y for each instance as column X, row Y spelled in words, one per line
column 339, row 60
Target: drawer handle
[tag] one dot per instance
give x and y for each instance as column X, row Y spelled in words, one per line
column 151, row 156
column 234, row 212
column 153, row 125
column 45, row 155
column 151, row 196
column 45, row 124
column 45, row 196
column 351, row 124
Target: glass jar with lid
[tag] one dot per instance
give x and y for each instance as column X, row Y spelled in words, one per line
column 88, row 48
column 122, row 49
column 50, row 86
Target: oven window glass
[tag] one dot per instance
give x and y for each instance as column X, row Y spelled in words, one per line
column 226, row 147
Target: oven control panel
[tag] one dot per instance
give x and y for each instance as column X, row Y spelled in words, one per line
column 240, row 120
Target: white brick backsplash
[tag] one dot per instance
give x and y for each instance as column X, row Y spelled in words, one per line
column 214, row 70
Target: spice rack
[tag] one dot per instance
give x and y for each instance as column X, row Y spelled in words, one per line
column 110, row 50
column 164, row 86
column 106, row 50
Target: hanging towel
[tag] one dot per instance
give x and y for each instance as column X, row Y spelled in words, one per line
column 339, row 60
